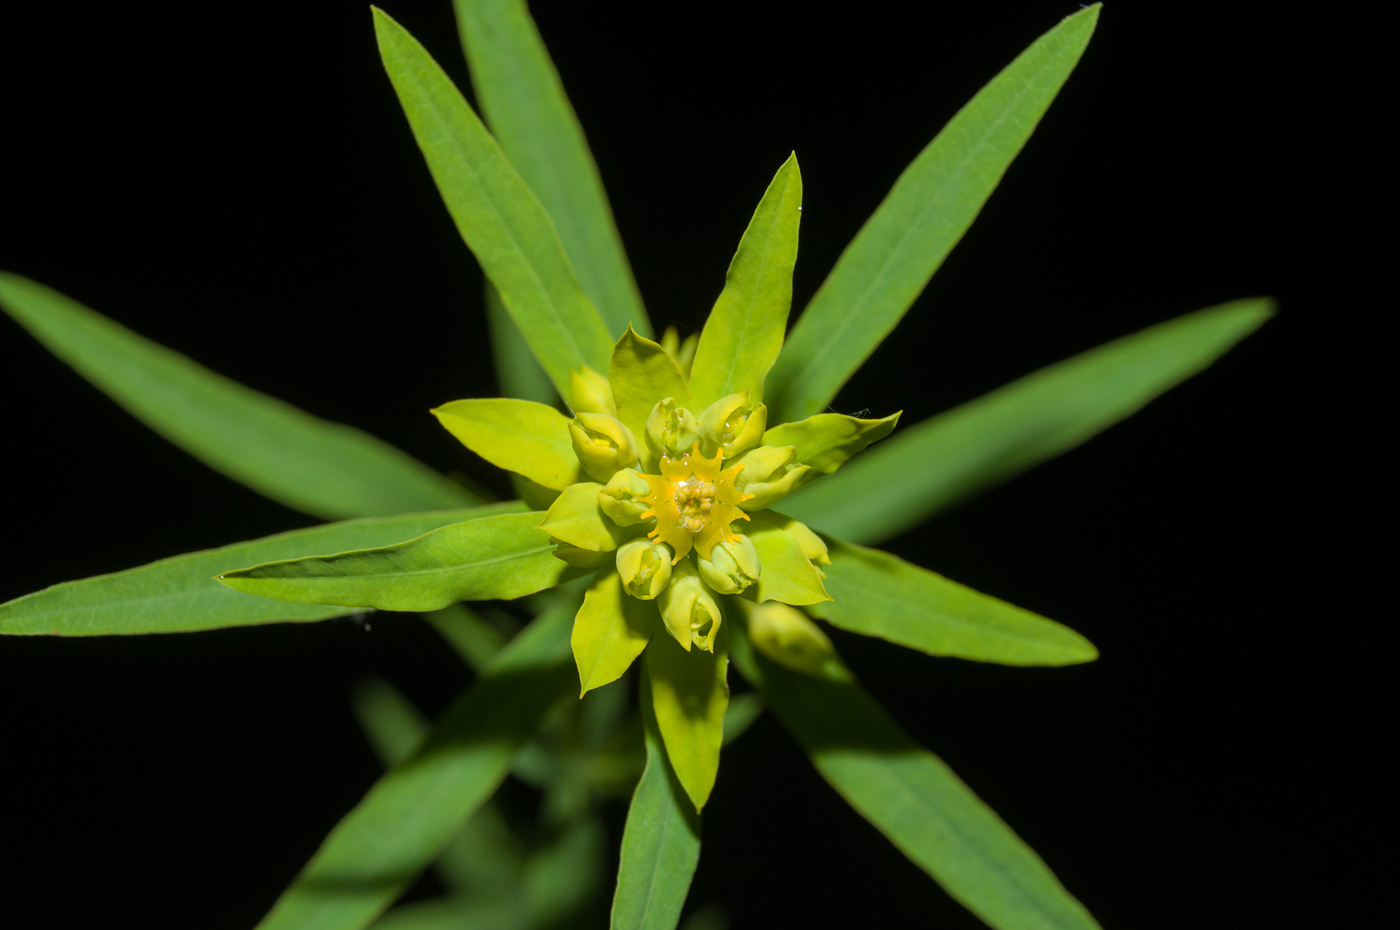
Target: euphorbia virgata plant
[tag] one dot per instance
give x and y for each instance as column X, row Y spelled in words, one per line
column 683, row 502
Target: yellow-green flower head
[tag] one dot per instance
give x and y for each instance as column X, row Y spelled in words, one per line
column 670, row 511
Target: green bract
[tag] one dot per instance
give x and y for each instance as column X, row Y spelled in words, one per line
column 688, row 500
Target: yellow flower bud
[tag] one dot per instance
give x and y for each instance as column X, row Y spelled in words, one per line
column 732, row 566
column 789, row 638
column 770, row 473
column 733, row 424
column 645, row 568
column 671, row 430
column 603, row 444
column 618, row 499
column 689, row 609
column 589, row 392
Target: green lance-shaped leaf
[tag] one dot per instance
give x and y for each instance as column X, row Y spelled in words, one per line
column 915, row 800
column 878, row 594
column 661, row 842
column 641, row 373
column 524, row 103
column 499, row 217
column 522, row 436
column 409, row 815
column 826, row 441
column 315, row 466
column 179, row 595
column 576, row 518
column 495, row 557
column 744, row 331
column 787, row 575
column 518, row 372
column 929, row 208
column 484, row 854
column 611, row 630
column 929, row 467
column 690, row 692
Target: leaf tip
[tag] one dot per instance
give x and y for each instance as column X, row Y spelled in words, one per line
column 1262, row 308
column 1083, row 652
column 1089, row 11
column 1076, row 649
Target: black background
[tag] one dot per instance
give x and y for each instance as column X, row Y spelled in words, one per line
column 238, row 183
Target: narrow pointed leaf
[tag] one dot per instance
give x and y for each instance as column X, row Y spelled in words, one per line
column 690, row 692
column 932, row 204
column 610, row 631
column 661, row 842
column 409, row 815
column 878, row 594
column 518, row 372
column 483, row 855
column 499, row 217
column 930, row 467
column 827, row 441
column 576, row 518
column 315, row 466
column 524, row 103
column 179, row 594
column 916, row 801
column 641, row 373
column 744, row 331
column 522, row 436
column 495, row 557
